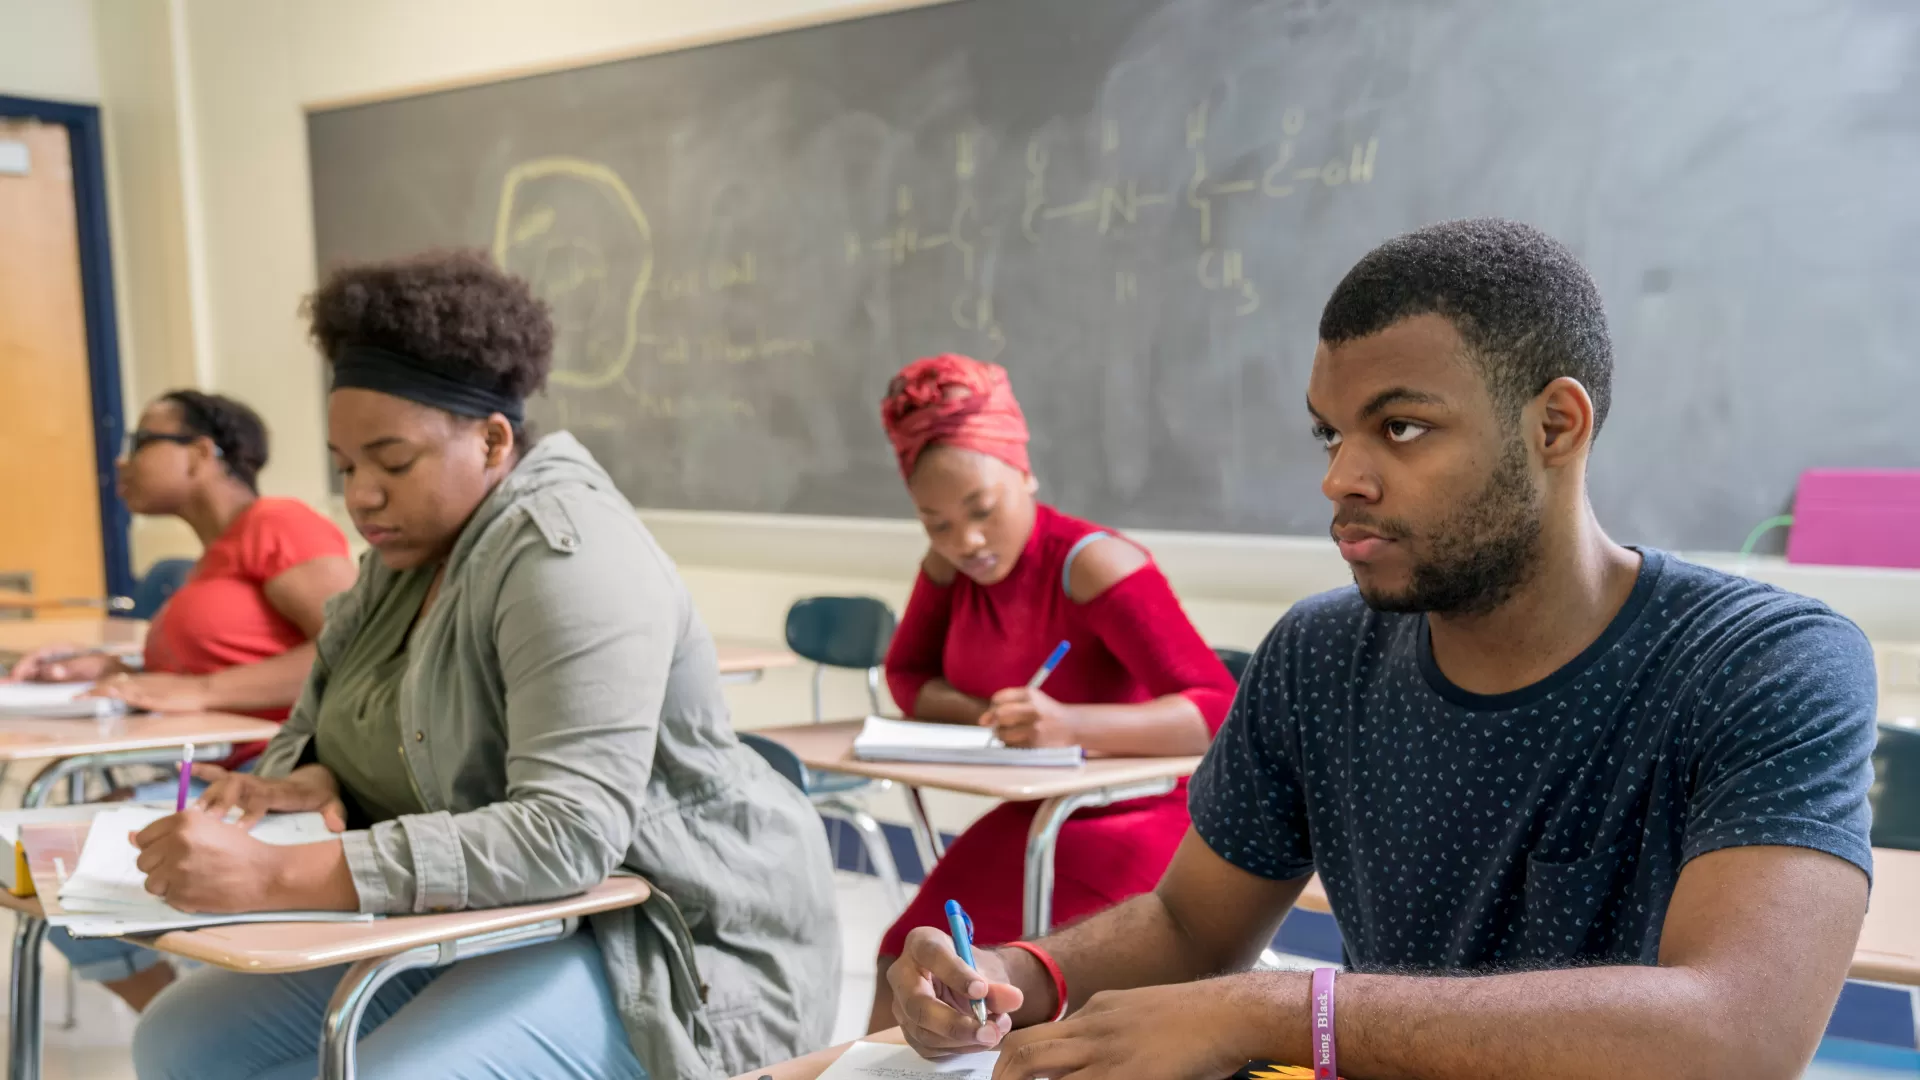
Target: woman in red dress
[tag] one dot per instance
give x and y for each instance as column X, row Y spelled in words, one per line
column 1006, row 579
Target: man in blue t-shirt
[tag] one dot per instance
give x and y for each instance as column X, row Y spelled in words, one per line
column 1582, row 810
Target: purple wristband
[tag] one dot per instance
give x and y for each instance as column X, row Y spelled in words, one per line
column 1325, row 1060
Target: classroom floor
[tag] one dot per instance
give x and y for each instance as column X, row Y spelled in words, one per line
column 95, row 1048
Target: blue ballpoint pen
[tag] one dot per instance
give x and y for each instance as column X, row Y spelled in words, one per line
column 962, row 928
column 1053, row 661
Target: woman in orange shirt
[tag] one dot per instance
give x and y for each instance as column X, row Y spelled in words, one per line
column 238, row 635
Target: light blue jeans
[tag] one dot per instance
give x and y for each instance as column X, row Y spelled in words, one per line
column 541, row 1011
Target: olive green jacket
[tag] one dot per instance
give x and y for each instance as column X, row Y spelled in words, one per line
column 562, row 719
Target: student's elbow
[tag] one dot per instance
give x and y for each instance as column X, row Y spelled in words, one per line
column 905, row 684
column 1728, row 1035
column 568, row 846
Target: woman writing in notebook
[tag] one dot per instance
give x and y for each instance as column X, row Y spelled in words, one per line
column 238, row 634
column 1005, row 580
column 514, row 701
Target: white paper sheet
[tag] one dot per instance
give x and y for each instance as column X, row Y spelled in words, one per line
column 55, row 701
column 883, row 1061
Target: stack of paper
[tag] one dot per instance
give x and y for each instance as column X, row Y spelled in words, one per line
column 882, row 739
column 55, row 701
column 94, row 886
column 888, row 1061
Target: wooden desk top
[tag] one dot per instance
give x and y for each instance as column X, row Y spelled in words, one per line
column 811, row 1066
column 21, row 636
column 830, row 747
column 25, row 738
column 739, row 657
column 278, row 948
column 1889, row 947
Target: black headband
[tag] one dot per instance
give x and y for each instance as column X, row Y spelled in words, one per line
column 369, row 367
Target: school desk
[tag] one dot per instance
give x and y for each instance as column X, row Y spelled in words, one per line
column 742, row 662
column 18, row 637
column 1889, row 946
column 76, row 746
column 377, row 952
column 1837, row 1059
column 1097, row 782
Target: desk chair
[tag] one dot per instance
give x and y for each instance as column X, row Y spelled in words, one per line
column 872, row 838
column 152, row 592
column 377, row 952
column 1895, row 794
column 851, row 633
column 1236, row 661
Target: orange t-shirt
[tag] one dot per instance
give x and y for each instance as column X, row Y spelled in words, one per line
column 220, row 618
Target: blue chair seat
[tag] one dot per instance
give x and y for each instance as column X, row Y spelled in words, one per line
column 834, row 783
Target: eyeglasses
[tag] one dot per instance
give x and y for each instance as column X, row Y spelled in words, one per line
column 140, row 438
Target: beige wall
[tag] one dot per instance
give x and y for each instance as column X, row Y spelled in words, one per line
column 47, row 50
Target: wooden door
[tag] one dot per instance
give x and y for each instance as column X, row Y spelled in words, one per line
column 49, row 499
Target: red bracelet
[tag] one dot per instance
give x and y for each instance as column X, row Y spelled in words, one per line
column 1325, row 1060
column 1053, row 969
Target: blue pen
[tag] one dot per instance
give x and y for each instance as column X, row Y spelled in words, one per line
column 962, row 928
column 1058, row 654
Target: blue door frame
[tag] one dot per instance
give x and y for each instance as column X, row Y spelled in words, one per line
column 103, row 336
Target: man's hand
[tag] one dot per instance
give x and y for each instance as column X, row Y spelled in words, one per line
column 932, row 992
column 1188, row 1031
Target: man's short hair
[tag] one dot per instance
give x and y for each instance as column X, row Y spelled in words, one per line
column 1528, row 311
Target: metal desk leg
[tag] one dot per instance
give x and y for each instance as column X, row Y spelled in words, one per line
column 1045, row 832
column 23, row 1023
column 43, row 785
column 926, row 838
column 341, row 1027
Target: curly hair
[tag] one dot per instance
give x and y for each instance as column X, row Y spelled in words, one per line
column 1528, row 311
column 453, row 311
column 237, row 430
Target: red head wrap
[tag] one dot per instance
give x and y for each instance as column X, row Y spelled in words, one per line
column 952, row 400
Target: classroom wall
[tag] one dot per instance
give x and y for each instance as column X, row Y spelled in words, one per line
column 47, row 50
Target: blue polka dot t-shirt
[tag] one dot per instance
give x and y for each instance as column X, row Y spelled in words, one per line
column 1458, row 831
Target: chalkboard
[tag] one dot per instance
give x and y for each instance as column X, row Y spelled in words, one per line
column 1139, row 207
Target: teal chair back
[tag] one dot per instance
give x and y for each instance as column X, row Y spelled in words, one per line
column 850, row 632
column 784, row 761
column 1236, row 661
column 1895, row 795
column 153, row 591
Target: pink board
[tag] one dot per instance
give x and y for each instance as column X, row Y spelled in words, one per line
column 1857, row 517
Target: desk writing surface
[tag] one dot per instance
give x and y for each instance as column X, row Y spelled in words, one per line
column 740, row 657
column 1889, row 946
column 812, row 1065
column 829, row 747
column 28, row 738
column 277, row 948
